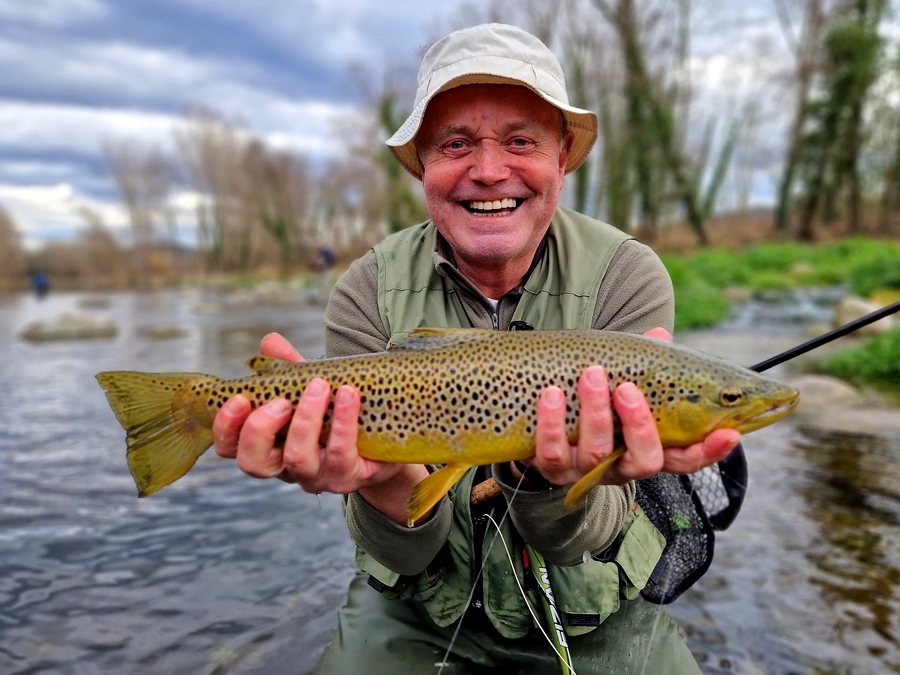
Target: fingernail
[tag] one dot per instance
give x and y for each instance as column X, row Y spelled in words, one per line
column 233, row 407
column 316, row 389
column 629, row 394
column 595, row 377
column 277, row 407
column 554, row 397
column 343, row 397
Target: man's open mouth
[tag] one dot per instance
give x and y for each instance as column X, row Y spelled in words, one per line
column 498, row 207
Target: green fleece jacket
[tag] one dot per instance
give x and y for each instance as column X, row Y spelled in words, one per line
column 635, row 296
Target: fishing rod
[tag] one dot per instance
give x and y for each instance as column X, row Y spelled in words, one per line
column 846, row 329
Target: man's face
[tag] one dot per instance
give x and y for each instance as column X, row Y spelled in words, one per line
column 493, row 169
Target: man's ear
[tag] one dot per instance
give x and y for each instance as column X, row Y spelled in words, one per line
column 565, row 147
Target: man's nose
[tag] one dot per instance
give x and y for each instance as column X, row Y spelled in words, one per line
column 488, row 164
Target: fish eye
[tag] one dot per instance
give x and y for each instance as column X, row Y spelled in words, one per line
column 730, row 397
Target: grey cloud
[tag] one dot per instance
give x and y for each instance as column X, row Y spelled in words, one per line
column 52, row 13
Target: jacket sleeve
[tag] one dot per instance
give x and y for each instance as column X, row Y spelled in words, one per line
column 635, row 295
column 353, row 326
column 559, row 534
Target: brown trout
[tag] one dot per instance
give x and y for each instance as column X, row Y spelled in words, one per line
column 459, row 397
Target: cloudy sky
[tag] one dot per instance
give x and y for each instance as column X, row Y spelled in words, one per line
column 77, row 74
column 81, row 73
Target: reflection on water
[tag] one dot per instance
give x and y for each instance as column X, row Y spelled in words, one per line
column 805, row 580
column 220, row 573
column 854, row 496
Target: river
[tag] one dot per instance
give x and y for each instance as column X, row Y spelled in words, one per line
column 221, row 573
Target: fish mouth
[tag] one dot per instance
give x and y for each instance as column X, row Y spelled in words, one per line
column 771, row 414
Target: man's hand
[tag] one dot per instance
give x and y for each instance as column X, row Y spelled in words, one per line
column 563, row 464
column 251, row 437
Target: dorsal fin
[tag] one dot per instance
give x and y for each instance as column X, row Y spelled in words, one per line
column 432, row 338
column 268, row 365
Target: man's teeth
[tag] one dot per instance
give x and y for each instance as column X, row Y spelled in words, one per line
column 496, row 205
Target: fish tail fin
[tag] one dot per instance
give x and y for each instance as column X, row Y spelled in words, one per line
column 430, row 490
column 591, row 479
column 164, row 438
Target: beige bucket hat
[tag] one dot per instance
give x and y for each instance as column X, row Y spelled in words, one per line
column 492, row 53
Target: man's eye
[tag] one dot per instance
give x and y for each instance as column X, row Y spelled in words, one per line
column 520, row 142
column 455, row 145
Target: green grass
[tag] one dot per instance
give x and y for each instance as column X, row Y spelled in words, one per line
column 878, row 359
column 863, row 265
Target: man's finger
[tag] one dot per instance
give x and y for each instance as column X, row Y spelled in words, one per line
column 553, row 454
column 257, row 455
column 645, row 456
column 275, row 345
column 302, row 456
column 340, row 464
column 227, row 425
column 659, row 334
column 717, row 446
column 595, row 425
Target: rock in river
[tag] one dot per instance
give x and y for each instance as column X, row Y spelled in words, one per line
column 70, row 326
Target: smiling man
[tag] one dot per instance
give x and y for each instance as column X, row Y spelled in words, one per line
column 492, row 137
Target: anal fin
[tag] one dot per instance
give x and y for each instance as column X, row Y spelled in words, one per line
column 430, row 490
column 591, row 479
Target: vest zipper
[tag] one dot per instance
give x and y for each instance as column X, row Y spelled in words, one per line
column 495, row 320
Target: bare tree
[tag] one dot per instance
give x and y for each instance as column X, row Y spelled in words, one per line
column 805, row 49
column 212, row 151
column 106, row 262
column 279, row 191
column 12, row 258
column 145, row 178
column 832, row 138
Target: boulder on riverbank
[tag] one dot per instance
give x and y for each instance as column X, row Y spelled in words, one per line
column 833, row 412
column 163, row 332
column 70, row 326
column 852, row 308
column 823, row 391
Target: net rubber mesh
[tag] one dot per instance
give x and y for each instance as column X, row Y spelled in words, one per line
column 688, row 510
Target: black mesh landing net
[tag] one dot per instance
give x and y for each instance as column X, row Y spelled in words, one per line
column 687, row 510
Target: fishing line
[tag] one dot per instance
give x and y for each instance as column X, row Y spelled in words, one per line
column 484, row 557
column 537, row 622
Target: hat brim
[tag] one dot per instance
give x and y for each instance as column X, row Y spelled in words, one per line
column 582, row 123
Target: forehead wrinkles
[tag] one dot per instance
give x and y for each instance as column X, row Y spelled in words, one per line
column 472, row 131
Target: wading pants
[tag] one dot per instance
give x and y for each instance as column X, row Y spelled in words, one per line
column 379, row 636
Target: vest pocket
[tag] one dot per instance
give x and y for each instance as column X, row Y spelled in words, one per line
column 642, row 546
column 422, row 587
column 588, row 593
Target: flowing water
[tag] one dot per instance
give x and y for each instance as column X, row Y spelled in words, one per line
column 221, row 573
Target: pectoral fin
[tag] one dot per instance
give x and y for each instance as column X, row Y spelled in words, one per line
column 429, row 492
column 269, row 365
column 591, row 479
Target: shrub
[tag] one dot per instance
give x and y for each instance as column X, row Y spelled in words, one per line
column 877, row 359
column 698, row 305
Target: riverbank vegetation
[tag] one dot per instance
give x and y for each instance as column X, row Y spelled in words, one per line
column 877, row 359
column 704, row 280
column 673, row 155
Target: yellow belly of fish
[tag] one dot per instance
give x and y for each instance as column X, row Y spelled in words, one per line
column 470, row 447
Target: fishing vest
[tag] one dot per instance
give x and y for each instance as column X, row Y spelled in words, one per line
column 560, row 292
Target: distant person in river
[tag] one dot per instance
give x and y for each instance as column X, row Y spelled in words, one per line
column 492, row 137
column 322, row 263
column 41, row 284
